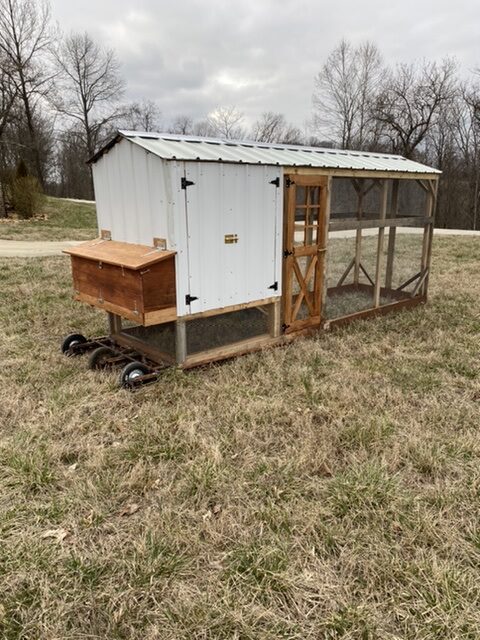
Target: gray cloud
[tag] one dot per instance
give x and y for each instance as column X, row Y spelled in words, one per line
column 259, row 55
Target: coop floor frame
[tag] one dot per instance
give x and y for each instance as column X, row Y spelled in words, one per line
column 311, row 219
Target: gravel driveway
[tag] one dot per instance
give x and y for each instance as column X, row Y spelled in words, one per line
column 40, row 248
column 34, row 249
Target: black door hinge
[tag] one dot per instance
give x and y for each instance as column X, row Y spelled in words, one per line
column 276, row 182
column 274, row 286
column 186, row 183
column 189, row 299
column 287, row 253
column 289, row 182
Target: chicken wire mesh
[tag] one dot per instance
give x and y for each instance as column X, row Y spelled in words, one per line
column 160, row 336
column 220, row 330
column 205, row 333
column 351, row 298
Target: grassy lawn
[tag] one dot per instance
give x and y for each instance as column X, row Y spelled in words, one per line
column 59, row 220
column 327, row 489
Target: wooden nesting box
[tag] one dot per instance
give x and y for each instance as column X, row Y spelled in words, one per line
column 131, row 280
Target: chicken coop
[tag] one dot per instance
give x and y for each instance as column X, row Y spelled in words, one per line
column 212, row 248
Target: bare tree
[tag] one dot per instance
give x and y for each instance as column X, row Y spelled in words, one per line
column 466, row 132
column 205, row 128
column 90, row 87
column 411, row 103
column 371, row 77
column 269, row 127
column 183, row 125
column 226, row 122
column 25, row 38
column 8, row 95
column 344, row 92
column 272, row 127
column 74, row 179
column 292, row 135
column 142, row 116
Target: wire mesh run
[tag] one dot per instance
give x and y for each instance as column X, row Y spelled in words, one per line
column 349, row 292
column 160, row 336
column 221, row 330
column 205, row 333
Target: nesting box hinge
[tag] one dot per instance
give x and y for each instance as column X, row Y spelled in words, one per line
column 276, row 182
column 186, row 183
column 189, row 299
column 274, row 286
column 289, row 182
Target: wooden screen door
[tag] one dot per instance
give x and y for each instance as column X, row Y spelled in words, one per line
column 304, row 250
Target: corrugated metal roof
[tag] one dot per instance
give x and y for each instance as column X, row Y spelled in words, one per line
column 177, row 147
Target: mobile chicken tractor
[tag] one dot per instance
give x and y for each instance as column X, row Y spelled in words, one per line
column 212, row 248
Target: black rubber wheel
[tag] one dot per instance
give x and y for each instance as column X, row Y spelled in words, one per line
column 71, row 340
column 98, row 358
column 132, row 371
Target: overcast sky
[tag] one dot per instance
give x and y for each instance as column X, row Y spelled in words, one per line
column 193, row 55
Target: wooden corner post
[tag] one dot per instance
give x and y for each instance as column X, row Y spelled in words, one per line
column 428, row 233
column 323, row 246
column 392, row 235
column 275, row 319
column 114, row 323
column 180, row 341
column 381, row 237
column 359, row 188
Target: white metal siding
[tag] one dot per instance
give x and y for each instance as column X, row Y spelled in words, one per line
column 229, row 199
column 137, row 194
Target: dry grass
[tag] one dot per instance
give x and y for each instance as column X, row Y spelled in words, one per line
column 59, row 219
column 328, row 489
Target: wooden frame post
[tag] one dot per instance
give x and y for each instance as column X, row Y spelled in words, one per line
column 288, row 245
column 381, row 237
column 428, row 233
column 114, row 323
column 358, row 234
column 323, row 245
column 180, row 341
column 392, row 235
column 275, row 318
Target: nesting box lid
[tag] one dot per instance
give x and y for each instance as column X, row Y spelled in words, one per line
column 123, row 254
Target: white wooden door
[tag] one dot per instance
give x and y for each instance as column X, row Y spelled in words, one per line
column 233, row 229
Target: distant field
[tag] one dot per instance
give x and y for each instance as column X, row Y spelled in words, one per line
column 59, row 220
column 323, row 490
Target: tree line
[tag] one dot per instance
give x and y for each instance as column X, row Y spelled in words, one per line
column 62, row 96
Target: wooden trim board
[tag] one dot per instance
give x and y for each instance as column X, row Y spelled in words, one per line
column 108, row 306
column 160, row 316
column 147, row 319
column 360, row 173
column 233, row 307
column 378, row 311
column 228, row 351
column 365, row 223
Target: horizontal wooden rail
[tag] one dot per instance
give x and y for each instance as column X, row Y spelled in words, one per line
column 352, row 223
column 407, row 303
